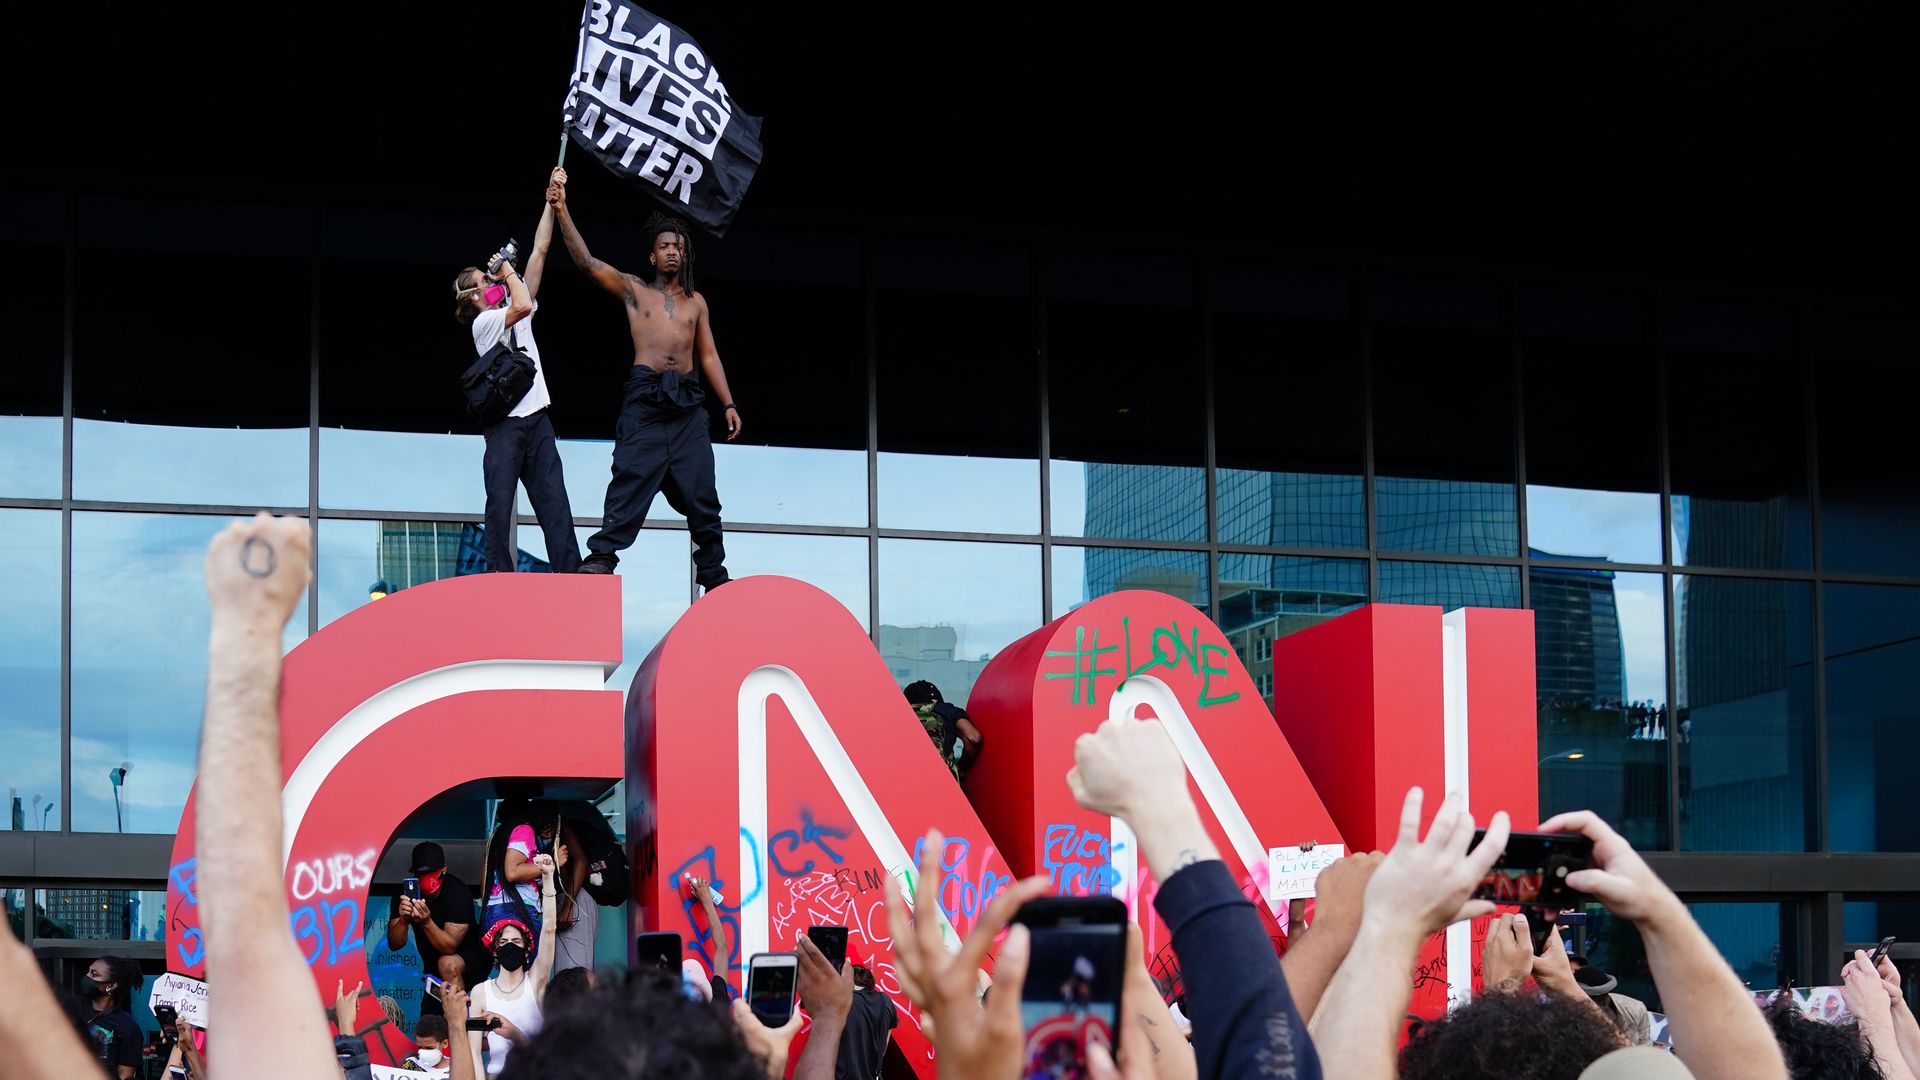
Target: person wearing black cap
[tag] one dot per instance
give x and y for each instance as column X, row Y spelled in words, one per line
column 442, row 923
column 1628, row 1014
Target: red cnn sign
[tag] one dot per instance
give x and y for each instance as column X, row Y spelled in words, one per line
column 767, row 747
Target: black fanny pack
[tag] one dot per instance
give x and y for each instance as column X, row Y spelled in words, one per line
column 497, row 381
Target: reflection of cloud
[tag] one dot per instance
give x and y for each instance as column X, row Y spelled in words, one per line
column 155, row 789
column 1620, row 525
column 1643, row 630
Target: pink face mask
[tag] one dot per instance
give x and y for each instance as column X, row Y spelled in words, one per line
column 491, row 297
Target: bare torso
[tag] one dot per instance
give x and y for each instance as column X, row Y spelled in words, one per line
column 664, row 325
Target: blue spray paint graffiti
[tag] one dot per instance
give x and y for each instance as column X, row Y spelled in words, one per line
column 1072, row 856
column 701, row 941
column 320, row 921
column 808, row 833
column 960, row 894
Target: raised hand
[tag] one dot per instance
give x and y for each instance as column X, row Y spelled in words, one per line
column 1508, row 957
column 969, row 1042
column 1620, row 878
column 257, row 571
column 1423, row 886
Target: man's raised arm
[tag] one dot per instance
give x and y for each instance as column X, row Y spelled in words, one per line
column 257, row 981
column 608, row 278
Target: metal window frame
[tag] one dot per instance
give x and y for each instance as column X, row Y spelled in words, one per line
column 1819, row 880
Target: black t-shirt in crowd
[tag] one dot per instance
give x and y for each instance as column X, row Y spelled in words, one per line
column 452, row 906
column 116, row 1039
column 863, row 1047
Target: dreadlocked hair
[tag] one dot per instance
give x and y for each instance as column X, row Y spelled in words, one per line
column 658, row 223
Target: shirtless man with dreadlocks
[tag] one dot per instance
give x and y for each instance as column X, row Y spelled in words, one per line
column 660, row 442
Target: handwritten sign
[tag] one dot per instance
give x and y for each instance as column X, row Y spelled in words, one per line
column 388, row 1072
column 187, row 996
column 1291, row 871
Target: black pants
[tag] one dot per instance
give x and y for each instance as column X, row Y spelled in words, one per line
column 661, row 446
column 521, row 449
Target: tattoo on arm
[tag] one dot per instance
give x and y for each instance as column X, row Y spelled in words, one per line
column 257, row 557
column 1186, row 858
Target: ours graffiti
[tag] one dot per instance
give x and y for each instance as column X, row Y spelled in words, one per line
column 324, row 929
column 337, row 873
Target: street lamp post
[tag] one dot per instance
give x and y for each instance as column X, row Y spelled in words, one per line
column 117, row 777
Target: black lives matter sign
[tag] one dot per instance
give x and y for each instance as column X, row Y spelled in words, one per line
column 648, row 102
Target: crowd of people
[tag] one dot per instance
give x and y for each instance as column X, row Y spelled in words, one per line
column 1334, row 1005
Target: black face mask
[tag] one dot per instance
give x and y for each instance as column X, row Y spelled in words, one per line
column 91, row 987
column 512, row 956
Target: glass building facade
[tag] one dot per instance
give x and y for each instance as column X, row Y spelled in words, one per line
column 1709, row 505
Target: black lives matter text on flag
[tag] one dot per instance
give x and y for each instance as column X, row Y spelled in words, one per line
column 649, row 104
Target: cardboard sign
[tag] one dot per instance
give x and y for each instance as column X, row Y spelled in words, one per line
column 1291, row 871
column 187, row 996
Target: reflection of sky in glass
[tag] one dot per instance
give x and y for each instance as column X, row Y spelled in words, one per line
column 30, row 666
column 30, row 457
column 986, row 595
column 967, row 494
column 837, row 565
column 1623, row 526
column 140, row 627
column 1643, row 632
column 785, row 485
column 401, row 470
column 162, row 463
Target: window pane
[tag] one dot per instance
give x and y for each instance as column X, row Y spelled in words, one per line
column 1869, row 465
column 1592, row 424
column 837, row 565
column 784, row 485
column 30, row 667
column 1287, row 408
column 1443, row 419
column 959, row 398
column 1450, row 585
column 104, row 915
column 1760, row 942
column 1083, row 574
column 1745, row 676
column 651, row 601
column 1600, row 661
column 360, row 561
column 963, row 494
column 33, row 308
column 1125, row 387
column 173, row 405
column 1736, row 403
column 947, row 608
column 139, row 641
column 1873, row 723
column 1264, row 597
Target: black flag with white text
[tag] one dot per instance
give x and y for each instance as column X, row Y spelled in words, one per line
column 649, row 104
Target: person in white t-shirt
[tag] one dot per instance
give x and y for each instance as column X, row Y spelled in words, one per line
column 520, row 448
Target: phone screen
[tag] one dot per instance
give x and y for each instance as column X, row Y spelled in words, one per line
column 410, row 888
column 1534, row 869
column 657, row 950
column 1071, row 998
column 1885, row 947
column 770, row 984
column 832, row 941
column 433, row 986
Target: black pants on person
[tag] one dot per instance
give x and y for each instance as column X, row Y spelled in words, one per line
column 521, row 449
column 661, row 446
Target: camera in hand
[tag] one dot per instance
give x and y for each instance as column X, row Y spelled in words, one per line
column 1533, row 870
column 508, row 253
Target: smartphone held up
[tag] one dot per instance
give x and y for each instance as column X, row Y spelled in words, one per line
column 1076, row 966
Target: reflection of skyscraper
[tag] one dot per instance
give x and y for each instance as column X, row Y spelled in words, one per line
column 928, row 652
column 415, row 552
column 1577, row 642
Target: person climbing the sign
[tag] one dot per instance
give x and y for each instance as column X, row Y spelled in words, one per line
column 661, row 444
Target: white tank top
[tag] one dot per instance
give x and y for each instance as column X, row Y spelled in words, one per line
column 520, row 1007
